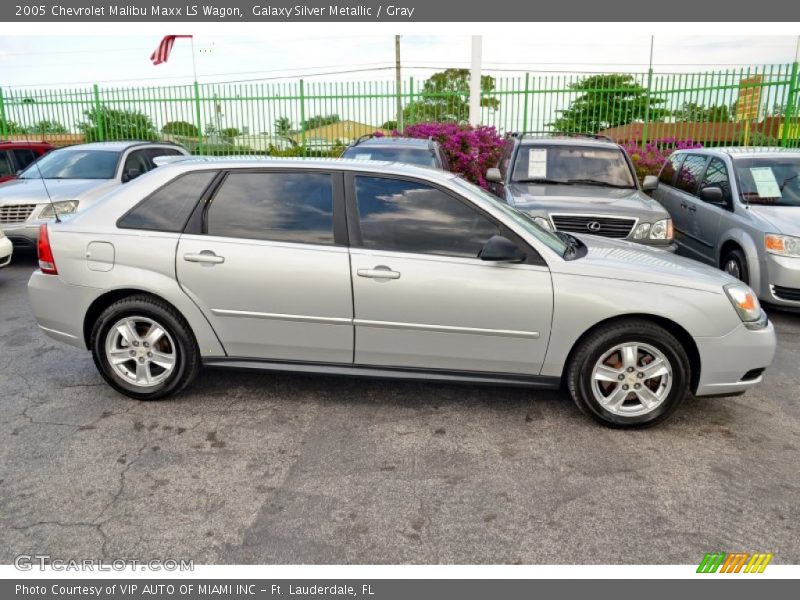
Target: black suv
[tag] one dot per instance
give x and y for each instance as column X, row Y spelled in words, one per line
column 414, row 151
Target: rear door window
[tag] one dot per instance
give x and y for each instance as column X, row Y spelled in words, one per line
column 690, row 173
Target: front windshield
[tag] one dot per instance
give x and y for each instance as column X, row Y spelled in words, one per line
column 555, row 243
column 773, row 181
column 72, row 163
column 572, row 165
column 411, row 156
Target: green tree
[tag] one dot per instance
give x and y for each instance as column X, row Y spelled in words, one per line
column 608, row 101
column 112, row 124
column 180, row 128
column 45, row 126
column 283, row 126
column 445, row 97
column 10, row 127
column 230, row 132
column 319, row 121
column 389, row 125
column 693, row 112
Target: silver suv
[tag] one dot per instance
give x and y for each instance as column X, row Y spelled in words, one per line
column 580, row 183
column 739, row 209
column 74, row 176
column 364, row 268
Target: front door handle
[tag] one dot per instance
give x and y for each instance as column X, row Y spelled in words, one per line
column 206, row 256
column 379, row 272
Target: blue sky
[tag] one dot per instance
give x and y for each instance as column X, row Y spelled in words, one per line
column 79, row 60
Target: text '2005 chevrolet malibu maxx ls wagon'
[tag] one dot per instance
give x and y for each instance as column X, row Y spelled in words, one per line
column 384, row 270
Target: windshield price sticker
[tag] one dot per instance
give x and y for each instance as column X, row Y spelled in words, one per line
column 766, row 184
column 537, row 163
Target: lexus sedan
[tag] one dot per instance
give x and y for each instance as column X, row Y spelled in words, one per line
column 384, row 270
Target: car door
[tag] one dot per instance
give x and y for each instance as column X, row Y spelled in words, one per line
column 269, row 269
column 666, row 194
column 422, row 297
column 687, row 182
column 705, row 226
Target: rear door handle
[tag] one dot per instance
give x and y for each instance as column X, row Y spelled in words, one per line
column 206, row 256
column 379, row 272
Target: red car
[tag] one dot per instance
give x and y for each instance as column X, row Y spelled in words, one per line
column 15, row 156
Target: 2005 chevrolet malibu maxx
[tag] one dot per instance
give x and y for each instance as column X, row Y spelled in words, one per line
column 384, row 270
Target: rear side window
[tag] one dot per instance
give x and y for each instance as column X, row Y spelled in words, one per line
column 408, row 216
column 690, row 173
column 283, row 207
column 672, row 165
column 169, row 207
column 24, row 157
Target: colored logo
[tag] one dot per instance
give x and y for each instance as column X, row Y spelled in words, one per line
column 734, row 562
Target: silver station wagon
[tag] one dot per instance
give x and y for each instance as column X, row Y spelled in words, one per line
column 384, row 270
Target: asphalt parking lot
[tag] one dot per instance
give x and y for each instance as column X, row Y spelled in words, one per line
column 263, row 468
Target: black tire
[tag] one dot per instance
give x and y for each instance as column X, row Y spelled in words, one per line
column 738, row 261
column 187, row 355
column 604, row 339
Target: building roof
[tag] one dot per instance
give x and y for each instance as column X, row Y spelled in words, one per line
column 341, row 130
column 720, row 132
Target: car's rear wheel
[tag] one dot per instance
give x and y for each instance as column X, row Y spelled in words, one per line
column 735, row 263
column 629, row 373
column 144, row 348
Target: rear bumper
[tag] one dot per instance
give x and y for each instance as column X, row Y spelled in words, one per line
column 59, row 307
column 734, row 363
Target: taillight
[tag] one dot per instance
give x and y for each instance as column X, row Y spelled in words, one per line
column 47, row 263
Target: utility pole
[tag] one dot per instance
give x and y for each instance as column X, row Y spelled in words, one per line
column 398, row 83
column 475, row 81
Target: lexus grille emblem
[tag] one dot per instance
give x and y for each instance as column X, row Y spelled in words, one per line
column 593, row 226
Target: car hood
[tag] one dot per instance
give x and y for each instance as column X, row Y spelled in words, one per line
column 31, row 191
column 783, row 219
column 542, row 198
column 609, row 259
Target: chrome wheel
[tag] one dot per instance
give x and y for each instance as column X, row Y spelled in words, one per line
column 732, row 268
column 632, row 379
column 140, row 351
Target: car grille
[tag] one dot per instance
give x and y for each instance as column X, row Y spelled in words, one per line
column 15, row 213
column 786, row 293
column 606, row 226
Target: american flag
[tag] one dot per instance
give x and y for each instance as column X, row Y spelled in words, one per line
column 161, row 54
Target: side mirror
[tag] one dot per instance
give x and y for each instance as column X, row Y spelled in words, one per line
column 130, row 174
column 500, row 249
column 712, row 195
column 650, row 183
column 494, row 175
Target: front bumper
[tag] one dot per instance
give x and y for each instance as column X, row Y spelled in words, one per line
column 781, row 281
column 23, row 235
column 6, row 249
column 734, row 363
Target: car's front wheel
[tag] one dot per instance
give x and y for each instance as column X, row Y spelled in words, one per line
column 144, row 348
column 629, row 373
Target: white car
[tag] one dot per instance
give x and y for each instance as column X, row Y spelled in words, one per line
column 69, row 180
column 6, row 249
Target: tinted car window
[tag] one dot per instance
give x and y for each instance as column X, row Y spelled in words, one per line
column 139, row 161
column 285, row 207
column 24, row 157
column 5, row 165
column 717, row 176
column 72, row 163
column 407, row 216
column 412, row 156
column 690, row 173
column 670, row 168
column 169, row 207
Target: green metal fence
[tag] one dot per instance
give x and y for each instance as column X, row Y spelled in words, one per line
column 757, row 106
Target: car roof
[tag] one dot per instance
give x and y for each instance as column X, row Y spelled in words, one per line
column 119, row 145
column 396, row 141
column 195, row 163
column 556, row 140
column 24, row 143
column 743, row 151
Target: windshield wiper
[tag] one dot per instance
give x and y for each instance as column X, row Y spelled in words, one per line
column 599, row 182
column 544, row 180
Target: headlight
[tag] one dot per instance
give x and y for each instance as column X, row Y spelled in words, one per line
column 543, row 223
column 62, row 208
column 641, row 231
column 783, row 245
column 661, row 230
column 745, row 302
